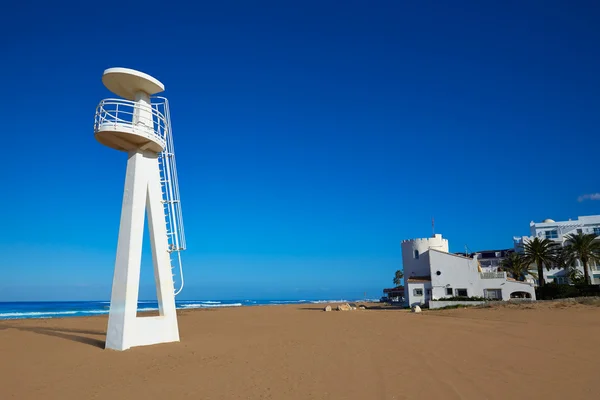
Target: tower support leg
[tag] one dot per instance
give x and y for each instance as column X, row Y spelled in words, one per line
column 142, row 193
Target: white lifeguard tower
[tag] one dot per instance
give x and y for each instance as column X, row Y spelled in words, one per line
column 139, row 124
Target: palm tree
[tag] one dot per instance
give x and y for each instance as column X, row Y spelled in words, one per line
column 515, row 265
column 540, row 252
column 565, row 260
column 398, row 277
column 575, row 275
column 584, row 248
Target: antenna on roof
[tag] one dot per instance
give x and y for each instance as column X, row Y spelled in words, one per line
column 432, row 226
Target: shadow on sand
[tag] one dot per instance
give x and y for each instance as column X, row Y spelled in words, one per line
column 73, row 335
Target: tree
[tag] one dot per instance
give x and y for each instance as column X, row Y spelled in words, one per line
column 515, row 265
column 584, row 248
column 540, row 252
column 398, row 277
column 565, row 260
column 575, row 275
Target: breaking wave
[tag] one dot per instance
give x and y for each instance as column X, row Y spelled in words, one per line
column 329, row 301
column 204, row 305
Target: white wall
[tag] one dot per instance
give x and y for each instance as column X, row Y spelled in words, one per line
column 449, row 271
column 411, row 299
column 458, row 272
column 420, row 267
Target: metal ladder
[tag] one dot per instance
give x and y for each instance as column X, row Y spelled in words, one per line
column 171, row 200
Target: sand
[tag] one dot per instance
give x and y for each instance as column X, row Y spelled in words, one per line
column 301, row 352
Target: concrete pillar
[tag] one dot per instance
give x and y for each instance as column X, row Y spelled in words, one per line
column 142, row 191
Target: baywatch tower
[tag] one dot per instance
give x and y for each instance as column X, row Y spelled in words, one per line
column 138, row 123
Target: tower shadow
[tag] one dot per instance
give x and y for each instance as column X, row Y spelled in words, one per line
column 73, row 335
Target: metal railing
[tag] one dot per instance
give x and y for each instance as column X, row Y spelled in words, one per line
column 170, row 185
column 492, row 275
column 138, row 117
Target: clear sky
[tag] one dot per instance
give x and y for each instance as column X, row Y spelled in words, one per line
column 311, row 136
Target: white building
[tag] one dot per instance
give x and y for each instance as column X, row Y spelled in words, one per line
column 557, row 232
column 432, row 273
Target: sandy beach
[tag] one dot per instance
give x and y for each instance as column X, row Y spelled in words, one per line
column 301, row 352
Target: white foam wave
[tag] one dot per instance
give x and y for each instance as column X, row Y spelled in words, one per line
column 49, row 314
column 203, row 305
column 36, row 313
column 287, row 301
column 329, row 301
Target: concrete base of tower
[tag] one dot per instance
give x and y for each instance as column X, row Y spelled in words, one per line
column 142, row 195
column 142, row 331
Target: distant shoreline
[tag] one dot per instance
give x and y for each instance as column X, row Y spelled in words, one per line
column 72, row 309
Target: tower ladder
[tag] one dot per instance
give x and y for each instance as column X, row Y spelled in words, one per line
column 171, row 199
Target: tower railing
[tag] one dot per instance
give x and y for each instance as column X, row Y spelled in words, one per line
column 119, row 113
column 171, row 198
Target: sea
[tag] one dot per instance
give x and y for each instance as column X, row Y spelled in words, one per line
column 61, row 309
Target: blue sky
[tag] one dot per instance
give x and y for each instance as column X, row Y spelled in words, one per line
column 311, row 137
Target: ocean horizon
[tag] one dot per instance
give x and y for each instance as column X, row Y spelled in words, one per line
column 64, row 309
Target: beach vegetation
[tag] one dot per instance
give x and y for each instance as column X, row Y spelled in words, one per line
column 585, row 248
column 398, row 277
column 540, row 252
column 553, row 291
column 516, row 265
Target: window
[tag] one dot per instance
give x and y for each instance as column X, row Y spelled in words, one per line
column 418, row 292
column 552, row 234
column 492, row 294
column 461, row 292
column 561, row 280
column 417, row 254
column 597, row 231
column 579, row 230
column 449, row 291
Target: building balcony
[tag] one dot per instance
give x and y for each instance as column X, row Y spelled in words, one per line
column 492, row 275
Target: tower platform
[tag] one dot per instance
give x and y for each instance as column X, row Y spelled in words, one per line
column 126, row 125
column 132, row 122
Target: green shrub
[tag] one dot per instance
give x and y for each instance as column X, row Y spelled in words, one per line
column 554, row 291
